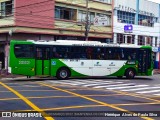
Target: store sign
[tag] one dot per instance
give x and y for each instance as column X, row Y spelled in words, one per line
column 100, row 21
column 145, row 13
column 155, row 49
column 132, row 10
column 128, row 28
column 126, row 8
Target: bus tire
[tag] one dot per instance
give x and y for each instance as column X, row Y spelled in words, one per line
column 119, row 77
column 130, row 73
column 63, row 73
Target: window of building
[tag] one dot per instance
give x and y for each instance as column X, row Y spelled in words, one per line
column 126, row 17
column 141, row 40
column 120, row 38
column 82, row 16
column 65, row 13
column 7, row 8
column 146, row 20
column 130, row 39
column 149, row 41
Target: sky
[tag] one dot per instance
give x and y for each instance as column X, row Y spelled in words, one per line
column 156, row 1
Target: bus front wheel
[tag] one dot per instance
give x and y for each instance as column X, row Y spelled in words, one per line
column 63, row 73
column 130, row 73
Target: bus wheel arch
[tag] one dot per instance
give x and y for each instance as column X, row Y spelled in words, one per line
column 63, row 73
column 130, row 73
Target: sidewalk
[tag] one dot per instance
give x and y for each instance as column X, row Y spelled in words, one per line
column 4, row 74
column 11, row 76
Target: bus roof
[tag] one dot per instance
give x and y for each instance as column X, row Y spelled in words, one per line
column 79, row 43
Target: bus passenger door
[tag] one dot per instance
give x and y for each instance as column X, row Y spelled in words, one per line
column 42, row 61
column 142, row 61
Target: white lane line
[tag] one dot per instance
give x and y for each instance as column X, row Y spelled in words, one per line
column 56, row 82
column 93, row 82
column 127, row 87
column 157, row 94
column 81, row 83
column 151, row 91
column 101, row 84
column 109, row 86
column 106, row 85
column 90, row 81
column 137, row 89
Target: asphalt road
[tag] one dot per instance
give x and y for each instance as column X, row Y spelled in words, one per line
column 80, row 99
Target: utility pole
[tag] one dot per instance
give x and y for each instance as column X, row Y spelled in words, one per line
column 87, row 22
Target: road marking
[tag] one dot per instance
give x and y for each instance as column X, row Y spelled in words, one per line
column 157, row 94
column 41, row 97
column 25, row 86
column 2, row 99
column 111, row 85
column 45, row 115
column 108, row 86
column 135, row 95
column 96, row 83
column 133, row 104
column 80, row 82
column 151, row 91
column 140, row 89
column 100, row 84
column 89, row 106
column 127, row 87
column 93, row 100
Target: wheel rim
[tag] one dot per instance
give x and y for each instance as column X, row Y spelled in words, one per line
column 131, row 73
column 63, row 74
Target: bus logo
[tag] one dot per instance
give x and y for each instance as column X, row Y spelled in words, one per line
column 97, row 64
column 112, row 64
column 53, row 62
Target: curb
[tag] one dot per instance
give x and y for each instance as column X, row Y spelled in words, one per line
column 12, row 78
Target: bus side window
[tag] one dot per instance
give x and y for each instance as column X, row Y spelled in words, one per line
column 89, row 51
column 109, row 54
column 47, row 53
column 39, row 53
column 99, row 53
column 117, row 56
column 55, row 53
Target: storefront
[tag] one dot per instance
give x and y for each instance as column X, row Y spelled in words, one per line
column 135, row 24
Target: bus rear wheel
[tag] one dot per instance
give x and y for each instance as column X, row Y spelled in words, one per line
column 63, row 73
column 130, row 73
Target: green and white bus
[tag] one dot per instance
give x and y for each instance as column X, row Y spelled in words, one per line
column 67, row 58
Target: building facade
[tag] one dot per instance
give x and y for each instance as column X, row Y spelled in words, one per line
column 136, row 24
column 52, row 20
